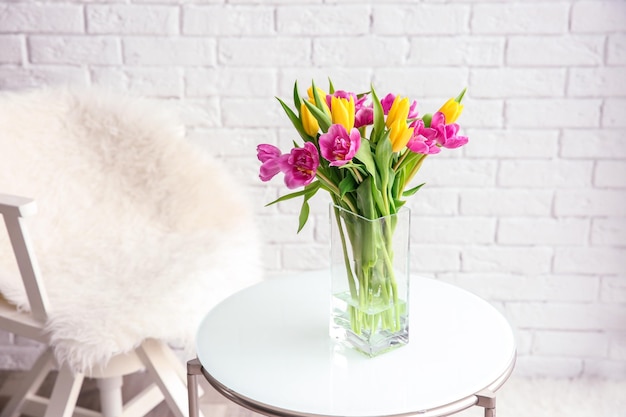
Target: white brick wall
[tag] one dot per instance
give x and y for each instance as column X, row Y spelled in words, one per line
column 530, row 215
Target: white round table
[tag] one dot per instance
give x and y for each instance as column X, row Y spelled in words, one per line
column 267, row 348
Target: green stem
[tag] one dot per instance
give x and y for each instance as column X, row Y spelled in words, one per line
column 332, row 187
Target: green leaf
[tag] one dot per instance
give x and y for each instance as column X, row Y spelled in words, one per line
column 427, row 119
column 320, row 115
column 304, row 215
column 347, row 185
column 309, row 189
column 296, row 97
column 459, row 98
column 364, row 154
column 413, row 190
column 295, row 120
column 331, row 87
column 379, row 118
column 365, row 199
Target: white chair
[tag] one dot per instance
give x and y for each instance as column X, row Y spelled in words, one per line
column 138, row 234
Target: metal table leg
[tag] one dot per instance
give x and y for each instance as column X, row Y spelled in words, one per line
column 487, row 400
column 193, row 370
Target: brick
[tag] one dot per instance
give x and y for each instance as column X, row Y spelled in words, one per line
column 590, row 260
column 305, row 256
column 606, row 369
column 613, row 113
column 280, row 227
column 506, row 202
column 483, row 113
column 421, row 83
column 253, row 112
column 271, row 257
column 563, row 113
column 221, row 20
column 570, row 344
column 588, row 143
column 499, row 286
column 608, row 231
column 264, row 52
column 42, row 76
column 434, row 201
column 598, row 16
column 512, row 143
column 616, row 49
column 613, row 290
column 555, row 51
column 132, row 19
column 516, row 260
column 232, row 141
column 560, row 316
column 420, row 19
column 434, row 258
column 541, row 366
column 458, row 172
column 592, row 82
column 517, row 82
column 535, row 18
column 41, row 18
column 200, row 113
column 545, row 173
column 231, row 82
column 564, row 231
column 590, row 203
column 169, row 51
column 323, row 20
column 152, row 81
column 11, row 47
column 456, row 50
column 617, row 347
column 348, row 52
column 610, row 174
column 76, row 50
column 348, row 79
column 451, row 230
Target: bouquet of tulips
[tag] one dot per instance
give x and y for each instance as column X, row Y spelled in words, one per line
column 365, row 172
column 364, row 151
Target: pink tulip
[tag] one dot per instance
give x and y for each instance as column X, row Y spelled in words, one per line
column 424, row 139
column 300, row 165
column 339, row 147
column 447, row 134
column 270, row 156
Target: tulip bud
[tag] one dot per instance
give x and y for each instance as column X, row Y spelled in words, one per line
column 309, row 122
column 342, row 112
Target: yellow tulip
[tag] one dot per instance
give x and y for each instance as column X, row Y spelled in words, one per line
column 309, row 122
column 322, row 95
column 399, row 134
column 342, row 112
column 452, row 108
column 399, row 111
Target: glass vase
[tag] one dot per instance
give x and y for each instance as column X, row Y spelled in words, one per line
column 369, row 280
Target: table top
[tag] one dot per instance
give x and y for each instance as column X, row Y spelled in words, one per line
column 268, row 347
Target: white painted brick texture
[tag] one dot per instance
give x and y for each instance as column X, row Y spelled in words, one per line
column 530, row 215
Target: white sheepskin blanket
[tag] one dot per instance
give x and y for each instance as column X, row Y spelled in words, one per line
column 138, row 233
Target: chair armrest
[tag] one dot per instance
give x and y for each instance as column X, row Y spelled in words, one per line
column 16, row 206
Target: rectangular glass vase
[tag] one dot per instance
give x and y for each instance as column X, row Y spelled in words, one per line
column 370, row 280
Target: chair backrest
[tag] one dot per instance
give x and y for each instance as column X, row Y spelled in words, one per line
column 14, row 209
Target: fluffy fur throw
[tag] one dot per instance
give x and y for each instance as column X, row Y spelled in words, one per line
column 138, row 233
